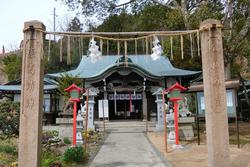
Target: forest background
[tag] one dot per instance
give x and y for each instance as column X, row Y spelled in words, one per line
column 150, row 15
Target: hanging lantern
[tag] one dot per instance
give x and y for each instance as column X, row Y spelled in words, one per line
column 157, row 49
column 94, row 52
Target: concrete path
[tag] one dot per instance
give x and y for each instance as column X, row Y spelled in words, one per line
column 127, row 148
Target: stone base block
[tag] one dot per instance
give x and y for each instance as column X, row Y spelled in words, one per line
column 64, row 130
column 64, row 121
column 159, row 128
column 186, row 132
column 92, row 127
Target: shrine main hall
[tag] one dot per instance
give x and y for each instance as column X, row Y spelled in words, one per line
column 126, row 86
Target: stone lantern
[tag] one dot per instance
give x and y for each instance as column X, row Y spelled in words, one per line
column 91, row 103
column 79, row 128
column 160, row 117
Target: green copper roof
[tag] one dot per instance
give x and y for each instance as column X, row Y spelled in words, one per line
column 15, row 86
column 158, row 68
column 18, row 87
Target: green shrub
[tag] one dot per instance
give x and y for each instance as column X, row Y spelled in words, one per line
column 74, row 155
column 9, row 118
column 90, row 131
column 50, row 139
column 49, row 157
column 66, row 141
column 8, row 149
column 50, row 134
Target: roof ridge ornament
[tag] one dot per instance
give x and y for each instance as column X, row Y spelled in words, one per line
column 94, row 52
column 123, row 59
column 157, row 49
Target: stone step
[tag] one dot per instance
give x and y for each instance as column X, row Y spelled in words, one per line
column 125, row 126
column 126, row 130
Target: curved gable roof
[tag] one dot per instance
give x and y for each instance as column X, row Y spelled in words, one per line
column 153, row 68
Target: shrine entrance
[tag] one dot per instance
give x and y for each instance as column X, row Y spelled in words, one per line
column 213, row 74
column 126, row 91
column 122, row 107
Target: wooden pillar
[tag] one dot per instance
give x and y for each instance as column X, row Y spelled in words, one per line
column 215, row 94
column 165, row 121
column 30, row 147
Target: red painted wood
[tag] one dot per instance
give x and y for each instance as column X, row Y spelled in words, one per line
column 74, row 123
column 176, row 122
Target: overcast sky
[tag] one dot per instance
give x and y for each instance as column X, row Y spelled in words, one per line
column 13, row 14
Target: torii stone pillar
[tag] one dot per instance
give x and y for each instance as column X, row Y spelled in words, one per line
column 215, row 94
column 29, row 154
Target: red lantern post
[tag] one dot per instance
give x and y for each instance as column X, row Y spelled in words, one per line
column 175, row 97
column 74, row 92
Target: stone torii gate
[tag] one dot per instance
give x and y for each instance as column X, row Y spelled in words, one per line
column 30, row 147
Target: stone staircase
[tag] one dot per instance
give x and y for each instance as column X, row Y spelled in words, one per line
column 125, row 126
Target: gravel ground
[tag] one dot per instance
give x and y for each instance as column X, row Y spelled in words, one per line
column 196, row 156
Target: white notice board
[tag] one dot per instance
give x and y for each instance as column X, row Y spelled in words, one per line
column 103, row 104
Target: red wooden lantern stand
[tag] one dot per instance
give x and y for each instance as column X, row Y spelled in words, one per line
column 74, row 97
column 175, row 97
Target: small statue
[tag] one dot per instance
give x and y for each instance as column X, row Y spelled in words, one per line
column 183, row 109
column 170, row 120
column 83, row 109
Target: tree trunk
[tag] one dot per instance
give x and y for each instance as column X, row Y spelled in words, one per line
column 185, row 13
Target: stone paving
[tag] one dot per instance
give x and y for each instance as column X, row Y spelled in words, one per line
column 128, row 148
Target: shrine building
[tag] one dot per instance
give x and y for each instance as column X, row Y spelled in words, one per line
column 127, row 84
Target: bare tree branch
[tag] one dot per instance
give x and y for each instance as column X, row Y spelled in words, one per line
column 174, row 3
column 244, row 31
column 126, row 3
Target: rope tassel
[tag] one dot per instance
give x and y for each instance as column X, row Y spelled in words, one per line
column 143, row 46
column 151, row 44
column 171, row 48
column 61, row 51
column 182, row 53
column 198, row 42
column 135, row 47
column 126, row 53
column 49, row 49
column 107, row 47
column 68, row 52
column 79, row 47
column 118, row 52
column 162, row 42
column 101, row 44
column 191, row 45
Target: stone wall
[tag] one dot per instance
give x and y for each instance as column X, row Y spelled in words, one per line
column 64, row 130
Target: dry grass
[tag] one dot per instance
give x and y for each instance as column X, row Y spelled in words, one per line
column 8, row 151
